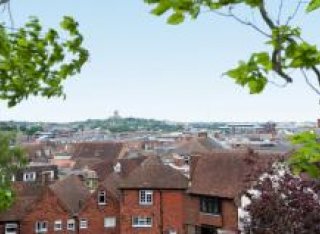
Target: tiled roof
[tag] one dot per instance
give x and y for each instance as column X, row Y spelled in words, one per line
column 103, row 169
column 190, row 146
column 153, row 174
column 202, row 145
column 114, row 179
column 128, row 165
column 99, row 150
column 111, row 183
column 227, row 173
column 72, row 193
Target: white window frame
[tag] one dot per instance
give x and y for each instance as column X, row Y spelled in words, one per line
column 145, row 197
column 50, row 173
column 57, row 225
column 104, row 194
column 141, row 222
column 29, row 176
column 110, row 222
column 41, row 226
column 172, row 232
column 83, row 224
column 11, row 225
column 71, row 222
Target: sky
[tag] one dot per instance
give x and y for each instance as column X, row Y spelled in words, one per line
column 143, row 67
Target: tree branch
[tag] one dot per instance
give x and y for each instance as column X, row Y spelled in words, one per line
column 295, row 12
column 276, row 54
column 317, row 72
column 265, row 16
column 309, row 83
column 242, row 21
column 280, row 12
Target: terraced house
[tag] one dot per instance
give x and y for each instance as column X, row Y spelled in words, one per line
column 140, row 196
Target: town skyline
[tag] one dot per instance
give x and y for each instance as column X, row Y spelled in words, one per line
column 162, row 72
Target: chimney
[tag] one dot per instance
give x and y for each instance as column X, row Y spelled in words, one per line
column 203, row 135
column 193, row 163
column 117, row 167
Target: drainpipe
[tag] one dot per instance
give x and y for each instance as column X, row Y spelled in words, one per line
column 77, row 224
column 161, row 213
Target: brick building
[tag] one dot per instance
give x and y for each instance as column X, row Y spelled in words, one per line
column 140, row 196
column 37, row 173
column 218, row 181
column 152, row 199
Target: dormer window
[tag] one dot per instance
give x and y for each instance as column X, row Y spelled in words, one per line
column 11, row 228
column 145, row 197
column 29, row 176
column 102, row 198
column 71, row 224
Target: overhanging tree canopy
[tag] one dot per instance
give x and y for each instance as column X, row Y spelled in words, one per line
column 36, row 62
column 288, row 50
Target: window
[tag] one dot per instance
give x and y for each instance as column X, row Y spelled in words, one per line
column 83, row 223
column 210, row 205
column 141, row 222
column 29, row 176
column 57, row 225
column 71, row 225
column 172, row 231
column 41, row 227
column 206, row 229
column 145, row 197
column 47, row 175
column 11, row 228
column 102, row 198
column 109, row 222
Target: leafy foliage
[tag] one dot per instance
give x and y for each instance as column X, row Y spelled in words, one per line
column 288, row 50
column 33, row 62
column 117, row 125
column 306, row 157
column 283, row 203
column 11, row 159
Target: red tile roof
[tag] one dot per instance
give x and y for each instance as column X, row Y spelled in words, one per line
column 227, row 173
column 72, row 193
column 99, row 150
column 153, row 174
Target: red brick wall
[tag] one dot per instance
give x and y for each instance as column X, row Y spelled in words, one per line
column 173, row 205
column 172, row 209
column 47, row 209
column 228, row 219
column 230, row 215
column 95, row 215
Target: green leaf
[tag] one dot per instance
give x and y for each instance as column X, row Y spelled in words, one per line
column 176, row 18
column 313, row 5
column 306, row 157
column 161, row 8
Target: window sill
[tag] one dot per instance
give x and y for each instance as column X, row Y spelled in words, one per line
column 210, row 214
column 142, row 226
column 145, row 204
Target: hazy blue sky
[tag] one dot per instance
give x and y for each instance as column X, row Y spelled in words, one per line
column 143, row 67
